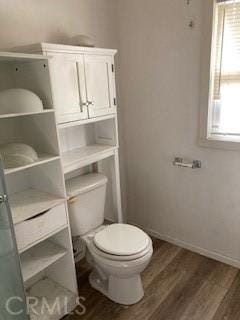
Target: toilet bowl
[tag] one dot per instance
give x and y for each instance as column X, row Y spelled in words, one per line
column 117, row 252
column 118, row 275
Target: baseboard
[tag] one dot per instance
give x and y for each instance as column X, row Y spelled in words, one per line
column 205, row 252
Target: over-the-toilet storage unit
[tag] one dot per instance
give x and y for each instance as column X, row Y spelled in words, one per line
column 84, row 95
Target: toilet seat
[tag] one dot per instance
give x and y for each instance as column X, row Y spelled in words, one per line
column 116, row 258
column 121, row 240
column 91, row 238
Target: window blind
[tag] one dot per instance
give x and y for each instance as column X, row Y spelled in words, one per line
column 227, row 45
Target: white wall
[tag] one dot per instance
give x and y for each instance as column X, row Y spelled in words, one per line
column 160, row 82
column 30, row 21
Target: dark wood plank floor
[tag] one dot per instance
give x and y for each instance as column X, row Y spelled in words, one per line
column 179, row 285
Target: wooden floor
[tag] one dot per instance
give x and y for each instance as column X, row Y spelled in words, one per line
column 179, row 285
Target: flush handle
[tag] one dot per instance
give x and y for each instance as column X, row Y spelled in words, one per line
column 72, row 200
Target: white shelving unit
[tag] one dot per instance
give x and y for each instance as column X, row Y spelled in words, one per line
column 37, row 195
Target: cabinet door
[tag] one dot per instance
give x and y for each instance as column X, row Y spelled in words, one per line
column 100, row 85
column 68, row 84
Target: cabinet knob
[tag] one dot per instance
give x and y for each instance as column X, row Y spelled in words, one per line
column 90, row 103
column 85, row 104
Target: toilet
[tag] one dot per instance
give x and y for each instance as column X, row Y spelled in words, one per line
column 118, row 252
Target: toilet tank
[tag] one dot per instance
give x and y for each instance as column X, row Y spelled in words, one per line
column 86, row 202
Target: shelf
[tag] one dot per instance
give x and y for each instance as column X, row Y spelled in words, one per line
column 21, row 57
column 46, row 291
column 39, row 258
column 15, row 115
column 30, row 202
column 77, row 158
column 42, row 158
column 86, row 121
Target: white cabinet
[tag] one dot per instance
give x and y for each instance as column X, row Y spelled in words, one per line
column 69, row 90
column 83, row 80
column 100, row 85
column 83, row 86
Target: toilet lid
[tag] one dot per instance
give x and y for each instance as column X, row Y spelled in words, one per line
column 121, row 239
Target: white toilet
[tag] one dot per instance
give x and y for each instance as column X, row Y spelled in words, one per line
column 117, row 252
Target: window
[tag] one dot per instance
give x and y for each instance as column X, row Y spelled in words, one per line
column 224, row 108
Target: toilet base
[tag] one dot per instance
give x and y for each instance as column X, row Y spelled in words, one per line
column 120, row 290
column 97, row 283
